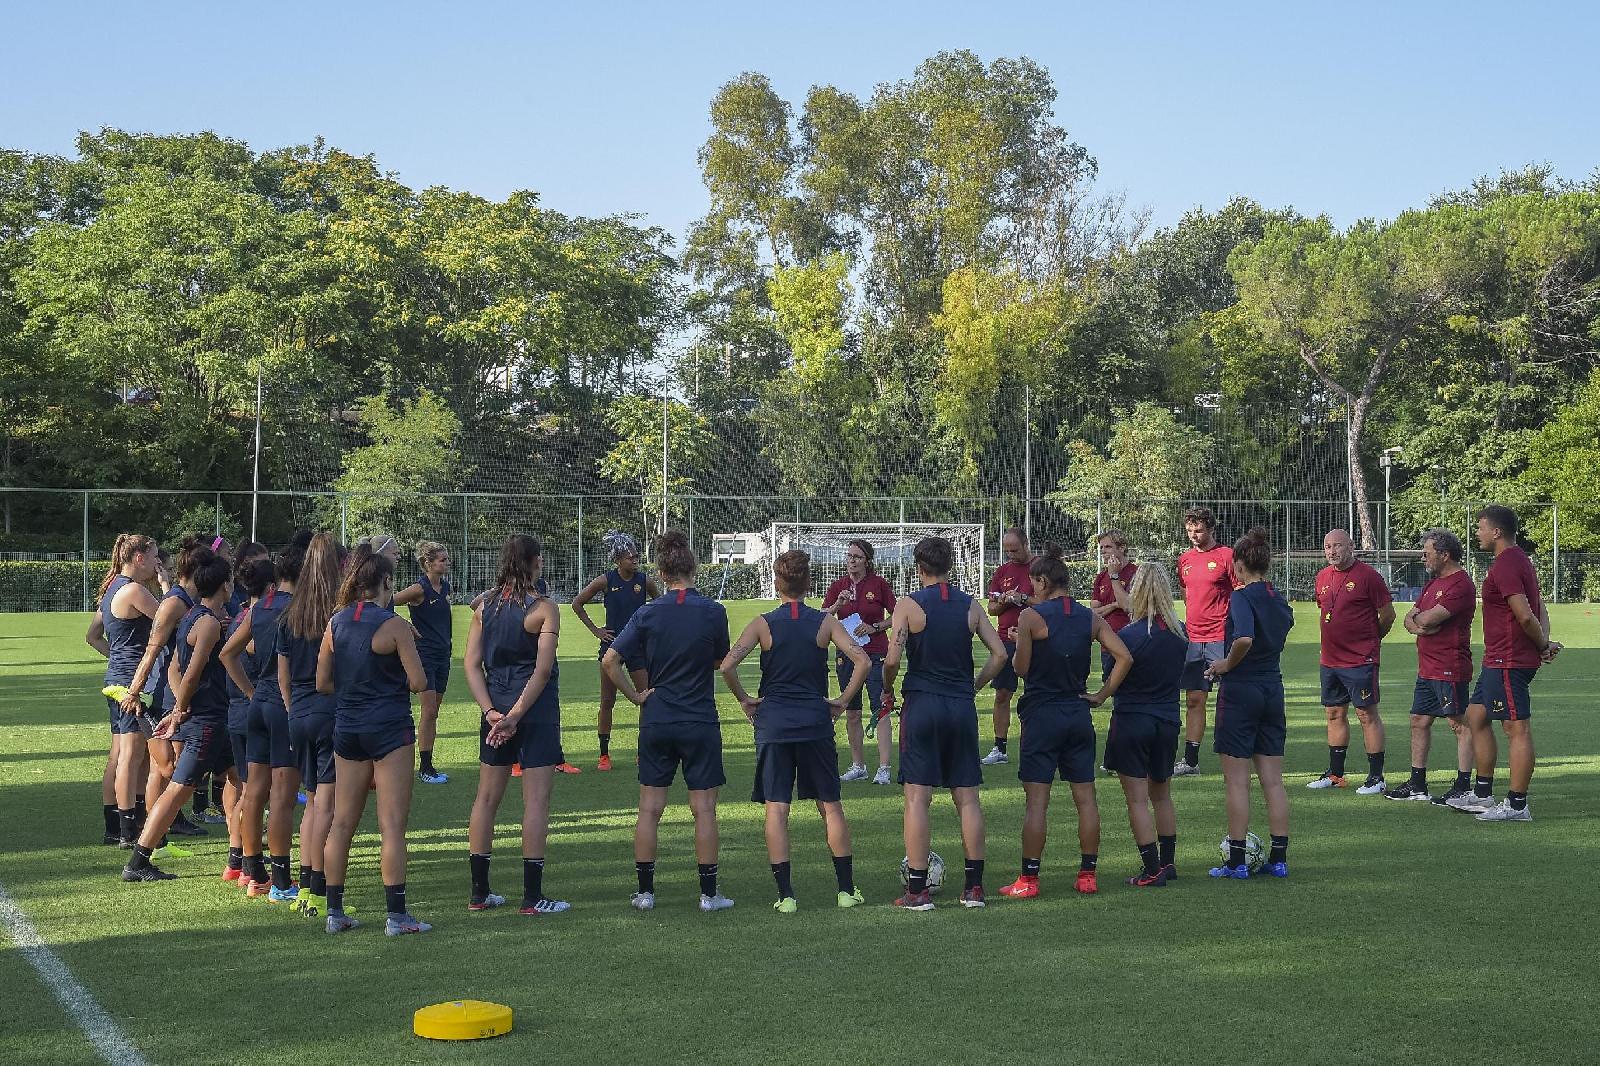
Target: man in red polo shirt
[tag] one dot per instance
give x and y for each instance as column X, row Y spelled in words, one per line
column 1010, row 590
column 1356, row 612
column 862, row 592
column 1441, row 620
column 1109, row 599
column 1206, row 573
column 1516, row 641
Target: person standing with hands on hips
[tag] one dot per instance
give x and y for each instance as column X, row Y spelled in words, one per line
column 1009, row 593
column 862, row 593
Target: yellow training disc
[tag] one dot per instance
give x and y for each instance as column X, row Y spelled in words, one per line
column 462, row 1019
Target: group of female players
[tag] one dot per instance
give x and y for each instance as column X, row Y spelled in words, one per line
column 294, row 672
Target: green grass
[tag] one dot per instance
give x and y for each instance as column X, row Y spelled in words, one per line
column 1360, row 957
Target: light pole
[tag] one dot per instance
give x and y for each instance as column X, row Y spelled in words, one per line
column 1386, row 460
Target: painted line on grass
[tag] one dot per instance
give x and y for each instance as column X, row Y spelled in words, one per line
column 102, row 1030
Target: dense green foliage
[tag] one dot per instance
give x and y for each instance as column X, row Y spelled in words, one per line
column 883, row 291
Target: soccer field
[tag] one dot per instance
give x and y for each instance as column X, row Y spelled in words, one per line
column 1407, row 931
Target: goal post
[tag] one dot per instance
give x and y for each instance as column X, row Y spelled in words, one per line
column 893, row 545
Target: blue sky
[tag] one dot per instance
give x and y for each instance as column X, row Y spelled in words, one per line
column 1352, row 109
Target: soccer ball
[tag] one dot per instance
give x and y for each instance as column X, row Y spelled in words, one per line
column 1255, row 854
column 935, row 871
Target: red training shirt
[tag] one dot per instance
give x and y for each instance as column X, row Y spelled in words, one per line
column 1207, row 580
column 1010, row 577
column 1504, row 643
column 872, row 599
column 1103, row 594
column 1447, row 654
column 1349, row 602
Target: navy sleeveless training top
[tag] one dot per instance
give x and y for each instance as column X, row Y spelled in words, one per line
column 265, row 618
column 431, row 619
column 1059, row 669
column 126, row 637
column 239, row 702
column 210, row 699
column 371, row 689
column 167, row 697
column 939, row 659
column 623, row 597
column 794, row 678
column 302, row 654
column 510, row 655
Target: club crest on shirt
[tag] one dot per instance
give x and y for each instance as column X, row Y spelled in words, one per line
column 637, row 588
column 1349, row 586
column 1211, row 564
column 872, row 595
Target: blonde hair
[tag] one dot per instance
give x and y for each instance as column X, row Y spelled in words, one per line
column 428, row 549
column 379, row 542
column 1150, row 596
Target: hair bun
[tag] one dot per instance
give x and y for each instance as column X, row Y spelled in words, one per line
column 1053, row 551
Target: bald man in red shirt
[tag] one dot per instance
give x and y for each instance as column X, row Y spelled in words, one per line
column 1355, row 612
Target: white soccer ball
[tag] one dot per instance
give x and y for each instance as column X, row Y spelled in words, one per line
column 1255, row 853
column 935, row 871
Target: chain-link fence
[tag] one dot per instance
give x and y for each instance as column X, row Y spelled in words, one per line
column 73, row 530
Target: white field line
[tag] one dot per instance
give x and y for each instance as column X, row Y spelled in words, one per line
column 101, row 1029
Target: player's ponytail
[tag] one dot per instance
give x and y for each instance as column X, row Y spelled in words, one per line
column 316, row 583
column 1253, row 551
column 791, row 572
column 193, row 550
column 674, row 557
column 122, row 552
column 1051, row 568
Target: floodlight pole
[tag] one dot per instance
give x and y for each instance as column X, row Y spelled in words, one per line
column 664, row 405
column 1027, row 467
column 255, row 469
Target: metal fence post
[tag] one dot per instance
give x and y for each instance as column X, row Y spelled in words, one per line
column 1555, row 553
column 219, row 514
column 86, row 551
column 691, row 522
column 581, row 570
column 344, row 517
column 466, row 543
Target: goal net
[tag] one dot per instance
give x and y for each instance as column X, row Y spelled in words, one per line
column 893, row 545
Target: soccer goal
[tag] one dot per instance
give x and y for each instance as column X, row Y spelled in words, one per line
column 892, row 543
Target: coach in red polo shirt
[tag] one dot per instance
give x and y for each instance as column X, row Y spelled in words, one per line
column 862, row 592
column 1206, row 573
column 1516, row 641
column 1109, row 598
column 1355, row 611
column 1010, row 590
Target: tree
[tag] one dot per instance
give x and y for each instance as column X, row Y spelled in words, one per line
column 636, row 460
column 1564, row 467
column 1349, row 305
column 393, row 482
column 1151, row 462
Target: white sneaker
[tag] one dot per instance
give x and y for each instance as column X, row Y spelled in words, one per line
column 857, row 772
column 719, row 902
column 1373, row 788
column 1183, row 769
column 881, row 777
column 1471, row 803
column 643, row 901
column 1504, row 812
column 1327, row 781
column 995, row 757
